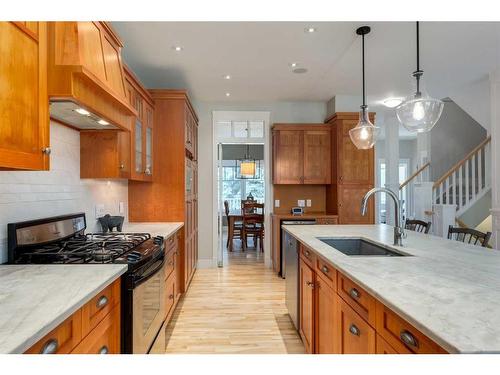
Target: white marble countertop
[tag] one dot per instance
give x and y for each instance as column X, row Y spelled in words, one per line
column 448, row 290
column 164, row 229
column 34, row 299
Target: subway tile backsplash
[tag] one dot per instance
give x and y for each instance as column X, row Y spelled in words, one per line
column 33, row 195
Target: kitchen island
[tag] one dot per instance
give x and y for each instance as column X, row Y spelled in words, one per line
column 448, row 290
column 35, row 299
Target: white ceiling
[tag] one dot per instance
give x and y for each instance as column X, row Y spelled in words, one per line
column 257, row 54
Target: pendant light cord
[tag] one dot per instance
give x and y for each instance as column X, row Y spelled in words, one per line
column 418, row 73
column 363, row 68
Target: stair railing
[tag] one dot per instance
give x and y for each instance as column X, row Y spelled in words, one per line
column 407, row 186
column 467, row 181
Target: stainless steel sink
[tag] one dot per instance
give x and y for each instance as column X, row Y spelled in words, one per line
column 359, row 247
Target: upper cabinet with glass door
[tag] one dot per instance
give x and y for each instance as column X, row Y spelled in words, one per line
column 141, row 144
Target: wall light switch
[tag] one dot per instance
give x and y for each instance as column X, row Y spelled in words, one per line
column 121, row 207
column 99, row 211
column 308, row 203
column 276, row 203
column 301, row 203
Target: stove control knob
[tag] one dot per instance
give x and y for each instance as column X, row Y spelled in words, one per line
column 158, row 240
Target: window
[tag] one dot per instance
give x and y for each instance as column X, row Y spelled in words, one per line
column 234, row 190
column 240, row 129
column 404, row 167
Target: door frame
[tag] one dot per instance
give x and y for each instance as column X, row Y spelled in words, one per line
column 242, row 116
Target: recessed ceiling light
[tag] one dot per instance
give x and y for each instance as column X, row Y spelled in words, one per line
column 82, row 111
column 228, row 94
column 294, row 64
column 102, row 122
column 227, row 76
column 177, row 48
column 310, row 30
column 392, row 102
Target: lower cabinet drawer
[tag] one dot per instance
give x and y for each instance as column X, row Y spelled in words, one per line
column 326, row 272
column 62, row 339
column 362, row 302
column 355, row 335
column 170, row 294
column 307, row 255
column 383, row 347
column 104, row 338
column 170, row 263
column 99, row 306
column 401, row 335
column 327, row 220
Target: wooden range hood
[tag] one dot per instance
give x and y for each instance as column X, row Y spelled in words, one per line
column 85, row 70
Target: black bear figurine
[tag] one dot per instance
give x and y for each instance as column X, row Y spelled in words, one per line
column 109, row 222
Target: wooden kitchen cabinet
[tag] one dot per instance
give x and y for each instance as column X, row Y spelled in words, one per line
column 352, row 172
column 301, row 154
column 24, row 131
column 338, row 316
column 122, row 154
column 355, row 335
column 306, row 309
column 92, row 329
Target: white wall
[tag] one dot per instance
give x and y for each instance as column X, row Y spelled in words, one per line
column 33, row 195
column 280, row 112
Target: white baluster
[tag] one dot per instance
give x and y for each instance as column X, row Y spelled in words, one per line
column 474, row 177
column 453, row 199
column 480, row 171
column 460, row 186
column 446, row 191
column 466, row 182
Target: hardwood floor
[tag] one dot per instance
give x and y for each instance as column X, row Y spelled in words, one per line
column 236, row 309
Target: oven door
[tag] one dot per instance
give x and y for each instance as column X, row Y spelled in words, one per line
column 148, row 307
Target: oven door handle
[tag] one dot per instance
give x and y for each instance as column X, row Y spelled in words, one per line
column 150, row 273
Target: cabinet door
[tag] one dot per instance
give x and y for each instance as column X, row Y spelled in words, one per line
column 350, row 197
column 288, row 164
column 355, row 334
column 325, row 330
column 188, row 128
column 24, row 128
column 306, row 320
column 148, row 140
column 355, row 166
column 317, row 157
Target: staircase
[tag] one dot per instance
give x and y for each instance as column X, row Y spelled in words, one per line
column 467, row 181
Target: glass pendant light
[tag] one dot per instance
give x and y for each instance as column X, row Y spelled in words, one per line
column 364, row 134
column 246, row 168
column 419, row 112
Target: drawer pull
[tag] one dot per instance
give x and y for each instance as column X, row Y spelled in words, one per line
column 50, row 347
column 101, row 302
column 104, row 350
column 408, row 339
column 171, row 263
column 307, row 253
column 310, row 284
column 354, row 293
column 325, row 269
column 354, row 330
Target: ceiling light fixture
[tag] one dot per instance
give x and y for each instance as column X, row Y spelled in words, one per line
column 294, row 64
column 227, row 76
column 392, row 102
column 364, row 134
column 102, row 122
column 177, row 48
column 82, row 112
column 228, row 94
column 310, row 30
column 419, row 112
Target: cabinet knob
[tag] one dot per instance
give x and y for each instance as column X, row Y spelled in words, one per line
column 122, row 166
column 50, row 347
column 307, row 253
column 46, row 150
column 104, row 350
column 354, row 330
column 408, row 339
column 310, row 284
column 354, row 293
column 101, row 302
column 325, row 269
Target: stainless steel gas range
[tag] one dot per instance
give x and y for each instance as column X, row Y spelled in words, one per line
column 62, row 240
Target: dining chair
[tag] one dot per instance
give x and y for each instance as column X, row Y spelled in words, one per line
column 253, row 223
column 234, row 228
column 468, row 235
column 418, row 226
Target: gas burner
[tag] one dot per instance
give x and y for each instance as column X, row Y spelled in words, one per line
column 102, row 255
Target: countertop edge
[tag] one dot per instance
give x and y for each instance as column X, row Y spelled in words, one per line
column 21, row 348
column 432, row 335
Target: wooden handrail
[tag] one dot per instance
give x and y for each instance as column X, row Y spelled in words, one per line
column 420, row 170
column 457, row 165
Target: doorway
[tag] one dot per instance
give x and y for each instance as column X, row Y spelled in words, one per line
column 240, row 142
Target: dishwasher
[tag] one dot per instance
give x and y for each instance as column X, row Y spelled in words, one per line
column 290, row 268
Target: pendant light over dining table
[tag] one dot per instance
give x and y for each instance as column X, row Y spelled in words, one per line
column 419, row 112
column 364, row 134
